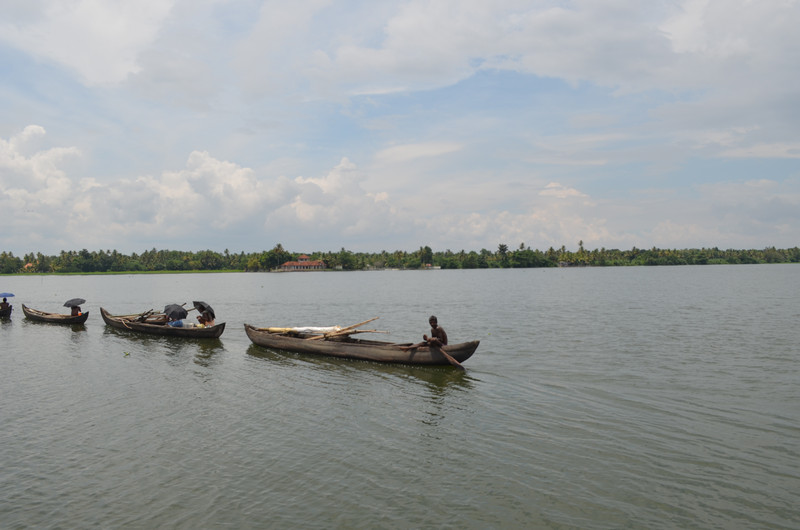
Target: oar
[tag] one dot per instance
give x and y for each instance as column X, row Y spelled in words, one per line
column 353, row 332
column 450, row 358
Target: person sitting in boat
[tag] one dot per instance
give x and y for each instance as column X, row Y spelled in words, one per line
column 4, row 304
column 205, row 319
column 437, row 339
column 175, row 323
column 438, row 336
column 76, row 310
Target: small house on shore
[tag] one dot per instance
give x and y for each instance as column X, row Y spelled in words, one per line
column 303, row 263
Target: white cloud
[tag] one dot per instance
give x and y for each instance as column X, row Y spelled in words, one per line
column 274, row 57
column 343, row 179
column 37, row 180
column 550, row 221
column 315, row 46
column 206, row 199
column 100, row 40
column 214, row 200
column 404, row 153
column 337, row 203
column 560, row 191
column 777, row 150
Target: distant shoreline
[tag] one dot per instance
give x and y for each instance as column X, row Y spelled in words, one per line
column 279, row 271
column 279, row 259
column 116, row 273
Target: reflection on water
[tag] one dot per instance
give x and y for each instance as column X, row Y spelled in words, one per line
column 439, row 379
column 279, row 357
column 176, row 349
column 159, row 339
column 206, row 351
column 35, row 323
column 436, row 376
column 434, row 389
column 432, row 392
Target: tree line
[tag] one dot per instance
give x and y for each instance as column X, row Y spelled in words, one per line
column 109, row 261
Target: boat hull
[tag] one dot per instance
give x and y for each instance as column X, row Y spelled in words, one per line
column 367, row 350
column 125, row 323
column 53, row 318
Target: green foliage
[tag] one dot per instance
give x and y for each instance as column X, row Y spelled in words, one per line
column 109, row 261
column 9, row 264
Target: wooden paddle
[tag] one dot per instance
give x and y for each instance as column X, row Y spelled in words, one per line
column 449, row 357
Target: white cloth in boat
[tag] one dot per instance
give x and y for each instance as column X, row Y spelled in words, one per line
column 306, row 329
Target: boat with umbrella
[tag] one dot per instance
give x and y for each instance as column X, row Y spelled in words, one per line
column 5, row 307
column 76, row 316
column 153, row 323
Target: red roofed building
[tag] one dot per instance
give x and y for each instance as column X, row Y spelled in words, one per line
column 303, row 263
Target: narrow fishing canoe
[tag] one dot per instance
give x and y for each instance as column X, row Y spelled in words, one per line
column 55, row 318
column 133, row 323
column 346, row 347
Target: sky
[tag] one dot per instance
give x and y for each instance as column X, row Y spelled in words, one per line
column 456, row 124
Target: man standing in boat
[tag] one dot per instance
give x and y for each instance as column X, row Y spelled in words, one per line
column 438, row 336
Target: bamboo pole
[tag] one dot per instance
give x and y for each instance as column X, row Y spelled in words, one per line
column 343, row 331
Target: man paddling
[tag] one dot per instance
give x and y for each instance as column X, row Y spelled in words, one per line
column 438, row 336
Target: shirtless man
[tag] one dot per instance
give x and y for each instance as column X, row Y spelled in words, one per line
column 438, row 336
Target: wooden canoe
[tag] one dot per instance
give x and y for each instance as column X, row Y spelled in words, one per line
column 131, row 323
column 369, row 350
column 55, row 318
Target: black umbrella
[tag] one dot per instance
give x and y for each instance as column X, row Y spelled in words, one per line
column 72, row 302
column 203, row 307
column 175, row 312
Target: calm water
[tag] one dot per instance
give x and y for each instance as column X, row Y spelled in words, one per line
column 663, row 397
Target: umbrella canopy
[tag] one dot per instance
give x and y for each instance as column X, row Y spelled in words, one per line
column 6, row 295
column 72, row 302
column 175, row 312
column 203, row 307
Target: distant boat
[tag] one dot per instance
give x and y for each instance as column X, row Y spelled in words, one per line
column 344, row 346
column 55, row 318
column 139, row 323
column 5, row 312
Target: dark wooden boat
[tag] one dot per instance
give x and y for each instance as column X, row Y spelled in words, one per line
column 56, row 318
column 142, row 323
column 346, row 347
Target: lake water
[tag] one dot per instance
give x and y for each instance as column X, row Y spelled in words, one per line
column 658, row 397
